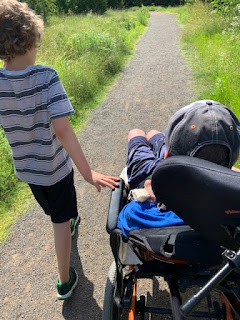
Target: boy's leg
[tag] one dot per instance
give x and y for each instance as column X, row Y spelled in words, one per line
column 136, row 133
column 62, row 238
column 141, row 159
column 59, row 201
column 156, row 141
column 151, row 133
column 68, row 278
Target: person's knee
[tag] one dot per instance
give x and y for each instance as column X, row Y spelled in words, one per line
column 151, row 134
column 136, row 133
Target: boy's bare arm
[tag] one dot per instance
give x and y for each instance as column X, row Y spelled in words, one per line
column 66, row 135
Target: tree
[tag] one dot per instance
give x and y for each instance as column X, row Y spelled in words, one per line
column 96, row 6
column 115, row 4
column 44, row 8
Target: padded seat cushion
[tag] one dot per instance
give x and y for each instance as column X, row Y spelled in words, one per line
column 177, row 243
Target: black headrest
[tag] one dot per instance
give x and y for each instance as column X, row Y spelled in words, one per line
column 205, row 195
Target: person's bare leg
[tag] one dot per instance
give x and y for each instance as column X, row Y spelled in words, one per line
column 135, row 133
column 62, row 237
column 148, row 188
column 151, row 134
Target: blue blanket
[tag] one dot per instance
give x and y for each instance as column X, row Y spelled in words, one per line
column 142, row 215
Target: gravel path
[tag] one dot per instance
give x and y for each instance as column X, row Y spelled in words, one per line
column 151, row 88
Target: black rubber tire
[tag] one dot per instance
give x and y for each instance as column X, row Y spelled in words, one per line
column 109, row 308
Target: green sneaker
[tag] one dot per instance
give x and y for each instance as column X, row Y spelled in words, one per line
column 73, row 225
column 65, row 290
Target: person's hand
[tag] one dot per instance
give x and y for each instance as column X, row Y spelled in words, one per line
column 99, row 180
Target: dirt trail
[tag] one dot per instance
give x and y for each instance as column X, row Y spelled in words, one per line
column 152, row 87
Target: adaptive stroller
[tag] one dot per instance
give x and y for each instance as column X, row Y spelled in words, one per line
column 204, row 253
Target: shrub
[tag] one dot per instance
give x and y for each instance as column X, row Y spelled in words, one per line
column 96, row 6
column 226, row 7
column 45, row 8
column 115, row 4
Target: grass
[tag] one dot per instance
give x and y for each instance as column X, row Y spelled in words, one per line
column 212, row 49
column 88, row 52
column 88, row 59
column 210, row 43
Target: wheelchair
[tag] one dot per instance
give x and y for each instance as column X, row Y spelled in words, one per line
column 203, row 254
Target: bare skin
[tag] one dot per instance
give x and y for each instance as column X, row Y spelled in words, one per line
column 21, row 62
column 71, row 144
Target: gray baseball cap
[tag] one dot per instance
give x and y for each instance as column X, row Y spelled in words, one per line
column 203, row 123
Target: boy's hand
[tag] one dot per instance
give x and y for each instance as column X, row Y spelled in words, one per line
column 98, row 180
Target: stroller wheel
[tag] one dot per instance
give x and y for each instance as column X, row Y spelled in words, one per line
column 111, row 300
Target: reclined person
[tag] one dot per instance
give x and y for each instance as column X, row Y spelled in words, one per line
column 204, row 129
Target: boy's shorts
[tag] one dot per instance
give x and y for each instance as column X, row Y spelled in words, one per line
column 143, row 157
column 59, row 200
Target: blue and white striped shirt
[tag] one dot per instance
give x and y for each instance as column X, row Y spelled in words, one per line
column 29, row 99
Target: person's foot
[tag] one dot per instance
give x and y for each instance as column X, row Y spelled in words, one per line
column 73, row 223
column 65, row 290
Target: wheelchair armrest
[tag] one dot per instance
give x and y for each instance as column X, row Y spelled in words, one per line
column 115, row 206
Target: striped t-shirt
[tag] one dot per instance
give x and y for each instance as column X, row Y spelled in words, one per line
column 29, row 99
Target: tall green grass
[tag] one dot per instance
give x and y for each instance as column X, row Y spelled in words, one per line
column 88, row 52
column 211, row 44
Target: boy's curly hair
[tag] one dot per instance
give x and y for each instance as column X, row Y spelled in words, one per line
column 20, row 29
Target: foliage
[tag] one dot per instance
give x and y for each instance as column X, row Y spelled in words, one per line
column 45, row 8
column 96, row 6
column 139, row 3
column 64, row 6
column 211, row 43
column 226, row 7
column 7, row 178
column 115, row 4
column 48, row 7
column 81, row 6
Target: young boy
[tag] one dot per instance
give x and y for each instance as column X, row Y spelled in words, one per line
column 209, row 140
column 34, row 110
column 205, row 129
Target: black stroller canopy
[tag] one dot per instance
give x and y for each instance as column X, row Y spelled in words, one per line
column 205, row 195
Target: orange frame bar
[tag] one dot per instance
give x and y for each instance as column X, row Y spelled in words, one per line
column 131, row 312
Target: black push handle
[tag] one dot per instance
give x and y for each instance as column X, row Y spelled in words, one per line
column 190, row 305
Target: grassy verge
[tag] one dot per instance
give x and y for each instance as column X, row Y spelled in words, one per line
column 210, row 42
column 211, row 45
column 88, row 52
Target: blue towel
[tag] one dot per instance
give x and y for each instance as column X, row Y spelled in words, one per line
column 143, row 215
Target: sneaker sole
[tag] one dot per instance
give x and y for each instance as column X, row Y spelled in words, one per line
column 70, row 293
